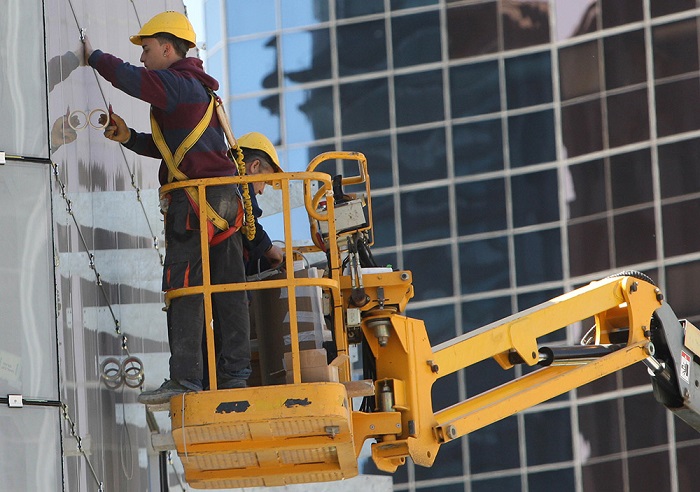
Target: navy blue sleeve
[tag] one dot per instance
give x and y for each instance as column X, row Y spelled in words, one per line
column 257, row 246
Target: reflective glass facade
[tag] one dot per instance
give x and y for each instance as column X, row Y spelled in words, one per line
column 517, row 150
column 81, row 256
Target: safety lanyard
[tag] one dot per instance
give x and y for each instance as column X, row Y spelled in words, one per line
column 173, row 161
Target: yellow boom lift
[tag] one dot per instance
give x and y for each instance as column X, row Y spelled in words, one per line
column 309, row 432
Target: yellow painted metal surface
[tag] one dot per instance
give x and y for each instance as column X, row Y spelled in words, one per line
column 613, row 302
column 274, row 435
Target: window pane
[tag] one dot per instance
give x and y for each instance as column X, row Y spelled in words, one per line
column 678, row 174
column 471, row 30
column 589, row 249
column 688, row 471
column 495, row 448
column 535, row 198
column 587, row 196
column 681, row 234
column 303, row 12
column 416, row 39
column 259, row 58
column 483, row 265
column 27, row 362
column 599, row 424
column 675, row 48
column 640, row 411
column 628, row 117
column 675, row 106
column 352, row 8
column 511, row 484
column 603, row 476
column 431, row 279
column 364, row 106
column 635, row 228
column 538, row 257
column 407, row 4
column 212, row 22
column 260, row 113
column 685, row 300
column 631, row 178
column 625, row 59
column 24, row 70
column 579, row 70
column 306, row 56
column 478, row 147
column 541, row 447
column 582, row 127
column 309, row 114
column 525, row 24
column 525, row 129
column 616, row 13
column 422, row 156
column 425, row 215
column 481, row 206
column 529, row 80
column 554, row 479
column 664, row 8
column 361, row 48
column 474, row 89
column 30, row 448
column 650, row 471
column 419, row 98
column 245, row 17
column 215, row 65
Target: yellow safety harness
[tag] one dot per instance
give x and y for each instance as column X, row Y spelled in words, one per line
column 172, row 161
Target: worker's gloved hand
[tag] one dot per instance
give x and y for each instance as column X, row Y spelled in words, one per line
column 274, row 256
column 87, row 50
column 117, row 129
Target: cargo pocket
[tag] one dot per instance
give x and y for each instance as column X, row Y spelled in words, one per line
column 176, row 275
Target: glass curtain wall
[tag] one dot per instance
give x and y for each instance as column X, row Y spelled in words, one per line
column 517, row 150
column 30, row 438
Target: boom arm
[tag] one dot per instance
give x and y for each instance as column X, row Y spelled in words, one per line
column 308, row 431
column 611, row 301
column 632, row 324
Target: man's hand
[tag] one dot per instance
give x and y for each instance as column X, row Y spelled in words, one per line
column 117, row 129
column 87, row 50
column 275, row 256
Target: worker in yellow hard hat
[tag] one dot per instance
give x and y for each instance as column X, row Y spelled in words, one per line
column 260, row 157
column 187, row 136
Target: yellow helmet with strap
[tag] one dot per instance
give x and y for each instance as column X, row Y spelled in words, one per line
column 258, row 141
column 171, row 22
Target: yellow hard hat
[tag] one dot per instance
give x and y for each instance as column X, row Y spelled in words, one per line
column 171, row 22
column 258, row 141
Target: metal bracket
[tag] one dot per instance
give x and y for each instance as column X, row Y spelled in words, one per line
column 14, row 401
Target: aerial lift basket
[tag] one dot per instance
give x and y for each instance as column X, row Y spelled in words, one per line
column 265, row 436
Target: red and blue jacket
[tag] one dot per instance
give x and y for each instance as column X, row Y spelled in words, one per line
column 178, row 99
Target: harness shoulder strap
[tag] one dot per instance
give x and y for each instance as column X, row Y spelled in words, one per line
column 173, row 161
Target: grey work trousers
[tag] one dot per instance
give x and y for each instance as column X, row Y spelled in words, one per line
column 183, row 268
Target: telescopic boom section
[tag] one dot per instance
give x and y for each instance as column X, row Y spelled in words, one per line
column 407, row 366
column 620, row 305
